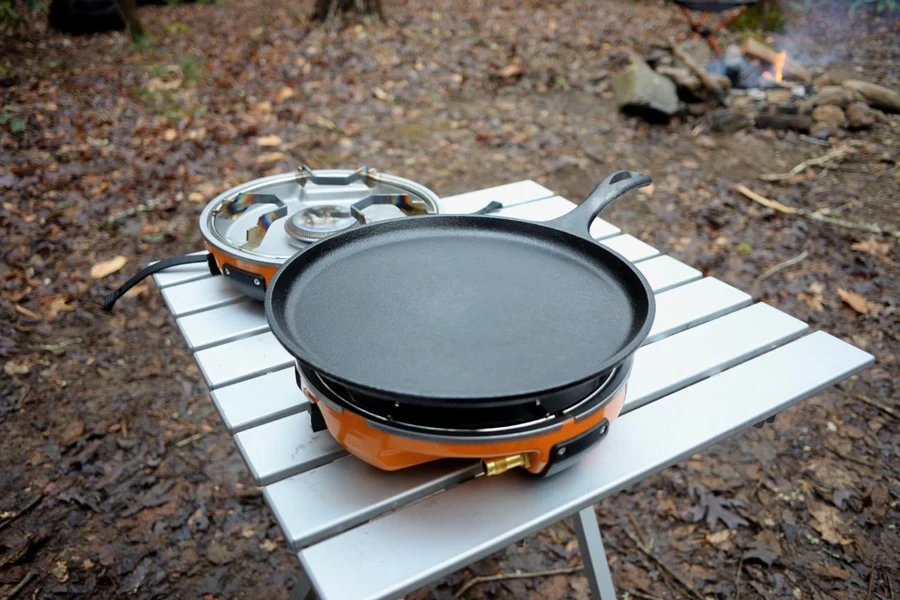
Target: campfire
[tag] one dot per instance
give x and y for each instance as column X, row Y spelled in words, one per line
column 749, row 85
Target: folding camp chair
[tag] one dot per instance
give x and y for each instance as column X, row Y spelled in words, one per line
column 699, row 28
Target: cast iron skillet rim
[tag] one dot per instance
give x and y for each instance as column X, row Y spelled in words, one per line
column 297, row 352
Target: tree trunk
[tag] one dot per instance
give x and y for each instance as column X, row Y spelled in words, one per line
column 132, row 20
column 326, row 9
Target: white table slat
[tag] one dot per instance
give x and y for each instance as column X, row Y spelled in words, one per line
column 259, row 400
column 285, row 447
column 395, row 554
column 509, row 194
column 686, row 305
column 239, row 360
column 348, row 492
column 550, row 208
column 664, row 273
column 195, row 296
column 660, row 368
column 227, row 323
column 182, row 273
column 630, row 247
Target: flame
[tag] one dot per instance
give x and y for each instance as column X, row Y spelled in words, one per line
column 779, row 65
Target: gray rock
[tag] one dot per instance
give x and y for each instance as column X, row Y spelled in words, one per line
column 659, row 57
column 860, row 116
column 639, row 89
column 699, row 50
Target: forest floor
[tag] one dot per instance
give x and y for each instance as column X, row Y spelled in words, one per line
column 116, row 476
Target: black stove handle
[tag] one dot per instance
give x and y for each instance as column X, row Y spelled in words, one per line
column 563, row 454
column 110, row 299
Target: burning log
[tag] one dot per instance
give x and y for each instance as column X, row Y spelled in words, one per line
column 708, row 80
column 877, row 95
column 757, row 49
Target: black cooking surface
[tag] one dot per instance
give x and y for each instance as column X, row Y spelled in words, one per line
column 444, row 307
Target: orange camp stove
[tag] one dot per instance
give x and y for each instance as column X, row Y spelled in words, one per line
column 391, row 437
column 465, row 336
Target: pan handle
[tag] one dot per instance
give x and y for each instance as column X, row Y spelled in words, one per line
column 578, row 220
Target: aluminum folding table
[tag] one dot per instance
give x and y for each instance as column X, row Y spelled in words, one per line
column 712, row 351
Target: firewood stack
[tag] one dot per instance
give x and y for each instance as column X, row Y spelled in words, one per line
column 751, row 85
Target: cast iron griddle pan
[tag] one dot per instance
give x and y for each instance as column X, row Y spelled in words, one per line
column 450, row 309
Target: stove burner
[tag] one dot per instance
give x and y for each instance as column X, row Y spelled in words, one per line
column 316, row 222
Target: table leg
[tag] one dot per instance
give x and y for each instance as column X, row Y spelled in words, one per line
column 593, row 555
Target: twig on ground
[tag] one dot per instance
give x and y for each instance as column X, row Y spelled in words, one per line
column 34, row 502
column 854, row 459
column 871, row 581
column 878, row 405
column 814, row 216
column 517, row 575
column 20, row 586
column 782, row 265
column 641, row 595
column 887, row 578
column 838, row 154
column 768, row 203
column 189, row 440
column 737, row 579
column 813, row 140
column 652, row 556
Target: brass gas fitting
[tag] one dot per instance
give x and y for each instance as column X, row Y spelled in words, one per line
column 496, row 466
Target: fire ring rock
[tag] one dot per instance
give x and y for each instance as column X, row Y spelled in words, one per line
column 860, row 116
column 640, row 90
column 828, row 114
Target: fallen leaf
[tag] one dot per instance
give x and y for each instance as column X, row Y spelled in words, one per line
column 380, row 93
column 511, row 70
column 55, row 305
column 73, row 431
column 877, row 249
column 854, row 300
column 648, row 190
column 13, row 368
column 196, row 197
column 283, row 94
column 268, row 545
column 827, row 524
column 848, row 497
column 263, row 108
column 137, row 290
column 269, row 158
column 60, row 571
column 108, row 267
column 27, row 312
column 268, row 141
column 718, row 537
column 814, row 299
column 170, row 134
column 324, row 123
column 832, row 571
column 714, row 508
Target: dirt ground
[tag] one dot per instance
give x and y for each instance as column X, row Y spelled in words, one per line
column 116, row 476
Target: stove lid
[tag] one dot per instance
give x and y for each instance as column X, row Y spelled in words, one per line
column 265, row 221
